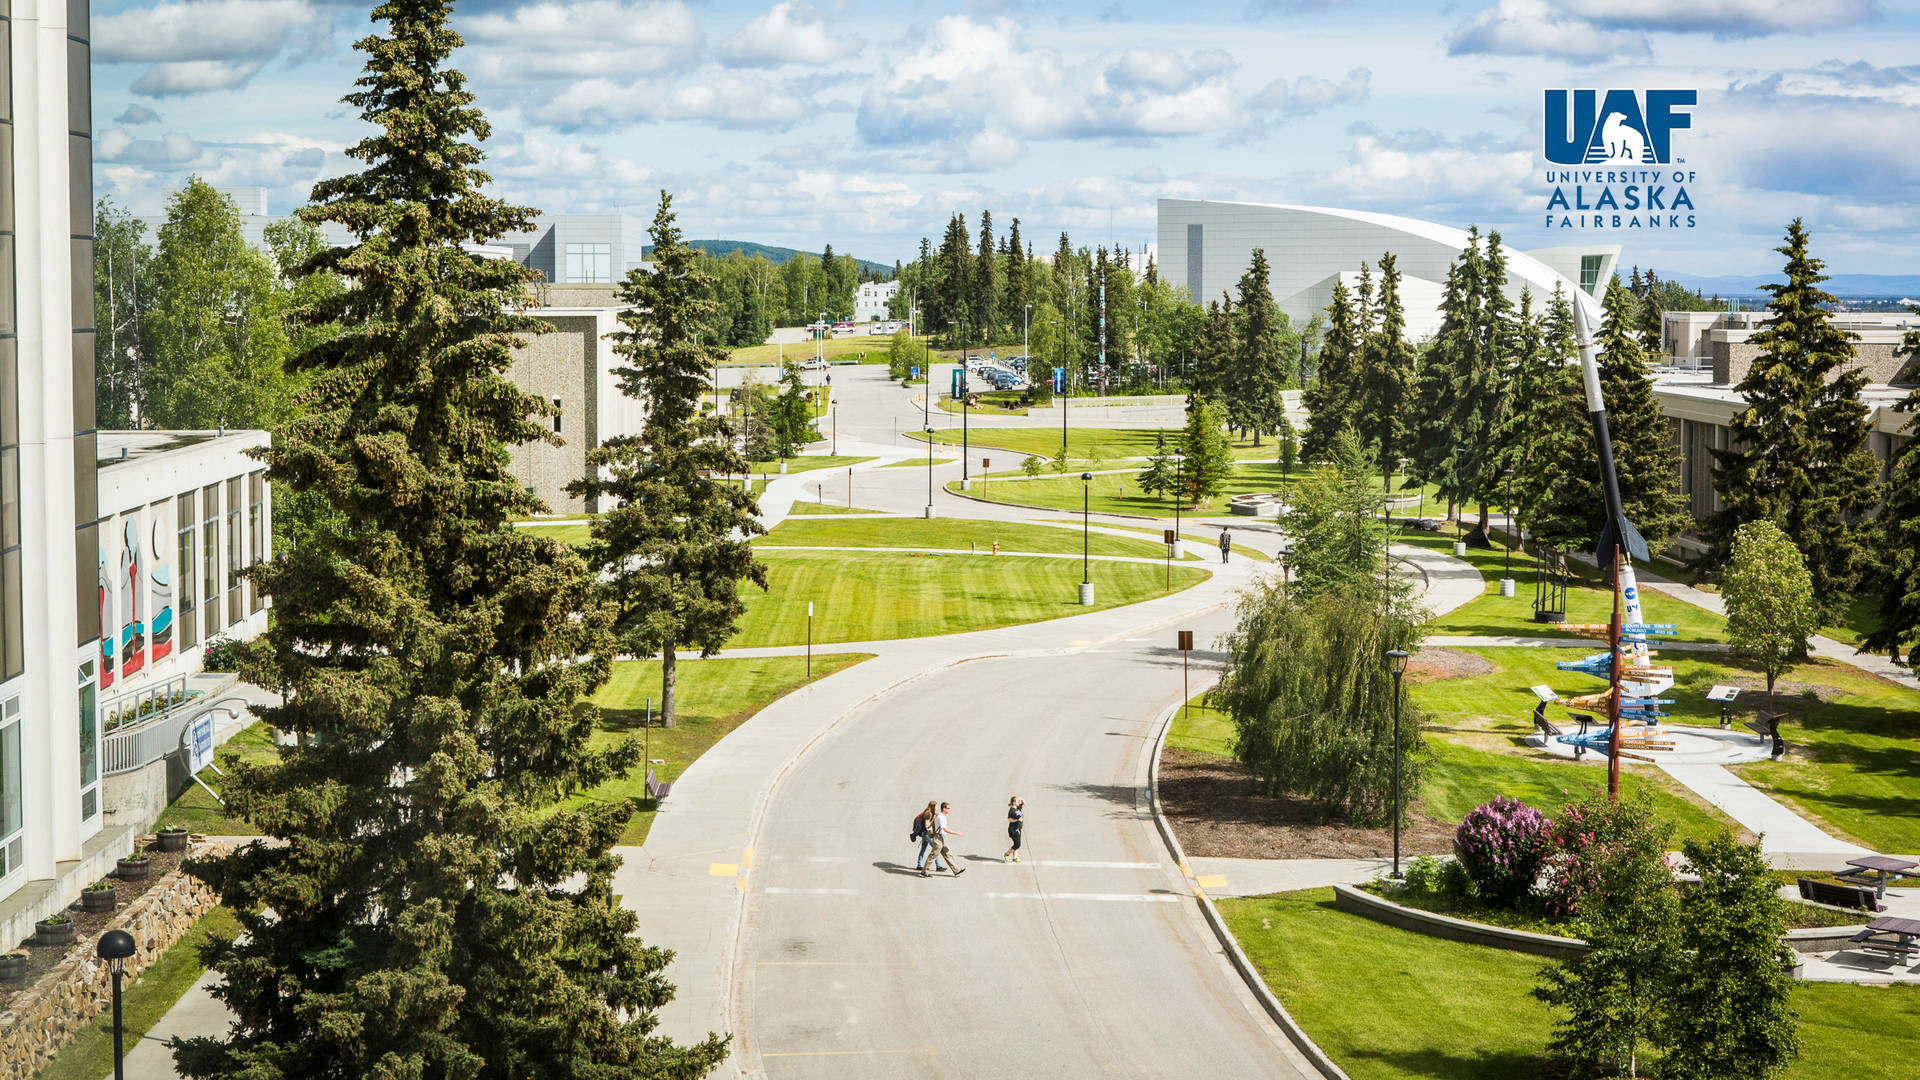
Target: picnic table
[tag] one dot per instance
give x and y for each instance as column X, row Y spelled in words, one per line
column 1877, row 870
column 1888, row 934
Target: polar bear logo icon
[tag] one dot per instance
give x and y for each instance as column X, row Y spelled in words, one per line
column 1618, row 142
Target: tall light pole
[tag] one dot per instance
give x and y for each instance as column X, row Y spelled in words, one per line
column 1086, row 561
column 1506, row 576
column 929, row 472
column 966, row 481
column 1286, row 565
column 115, row 946
column 1026, row 314
column 1397, row 661
column 835, row 407
column 1179, row 459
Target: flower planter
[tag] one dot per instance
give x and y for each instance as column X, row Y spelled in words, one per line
column 172, row 839
column 50, row 933
column 98, row 899
column 13, row 967
column 132, row 869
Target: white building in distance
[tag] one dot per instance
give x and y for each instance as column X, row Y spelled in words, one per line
column 870, row 300
column 1207, row 246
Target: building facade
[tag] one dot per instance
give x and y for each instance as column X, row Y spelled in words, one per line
column 871, row 300
column 1207, row 246
column 571, row 367
column 580, row 249
column 1719, row 342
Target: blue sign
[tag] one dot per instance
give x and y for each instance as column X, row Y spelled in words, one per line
column 200, row 743
column 1611, row 161
column 1614, row 129
column 913, row 372
column 1059, row 380
column 956, row 382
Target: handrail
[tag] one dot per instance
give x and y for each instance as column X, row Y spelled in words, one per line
column 141, row 745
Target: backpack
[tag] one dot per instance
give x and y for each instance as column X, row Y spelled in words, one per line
column 919, row 827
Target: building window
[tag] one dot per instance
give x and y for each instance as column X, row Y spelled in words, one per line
column 1196, row 249
column 1590, row 272
column 210, row 556
column 589, row 262
column 185, row 572
column 12, row 804
column 556, row 416
column 256, row 523
column 236, row 558
column 89, row 744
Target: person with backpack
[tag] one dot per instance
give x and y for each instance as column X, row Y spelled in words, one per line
column 1226, row 544
column 923, row 832
column 1016, row 815
column 937, row 832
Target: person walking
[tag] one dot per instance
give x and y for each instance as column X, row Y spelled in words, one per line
column 923, row 832
column 1226, row 545
column 1016, row 813
column 937, row 834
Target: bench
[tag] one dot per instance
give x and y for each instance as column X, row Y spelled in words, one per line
column 657, row 788
column 1855, row 897
column 1548, row 729
column 1869, row 941
column 1767, row 727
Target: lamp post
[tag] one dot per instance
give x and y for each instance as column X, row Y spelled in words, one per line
column 115, row 946
column 1286, row 565
column 1506, row 575
column 1026, row 313
column 1086, row 563
column 929, row 473
column 1179, row 549
column 835, row 407
column 1397, row 661
column 966, row 481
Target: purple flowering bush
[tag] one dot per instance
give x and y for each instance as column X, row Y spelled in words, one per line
column 1603, row 852
column 1503, row 844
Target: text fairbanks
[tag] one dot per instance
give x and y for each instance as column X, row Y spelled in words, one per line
column 1619, row 198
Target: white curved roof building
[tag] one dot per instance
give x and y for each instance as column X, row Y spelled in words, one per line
column 1206, row 246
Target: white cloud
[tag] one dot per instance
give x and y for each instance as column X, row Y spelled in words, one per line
column 1310, row 93
column 1725, row 18
column 736, row 102
column 1426, row 175
column 195, row 77
column 787, row 33
column 115, row 147
column 207, row 45
column 612, row 39
column 136, row 113
column 1535, row 28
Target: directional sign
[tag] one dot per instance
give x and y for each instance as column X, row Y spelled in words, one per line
column 200, row 743
column 1186, row 641
column 1059, row 380
column 913, row 372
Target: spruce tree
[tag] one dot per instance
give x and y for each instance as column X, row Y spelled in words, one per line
column 1213, row 360
column 1265, row 354
column 985, row 315
column 1799, row 452
column 792, row 414
column 1387, row 376
column 1898, row 576
column 1332, row 398
column 672, row 543
column 1480, row 393
column 1650, row 314
column 1207, row 451
column 430, row 906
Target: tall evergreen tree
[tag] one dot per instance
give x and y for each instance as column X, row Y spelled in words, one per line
column 1332, row 398
column 948, row 307
column 1213, row 359
column 1799, row 452
column 1265, row 354
column 985, row 314
column 431, row 906
column 1899, row 541
column 1208, row 453
column 1650, row 315
column 1387, row 377
column 673, row 546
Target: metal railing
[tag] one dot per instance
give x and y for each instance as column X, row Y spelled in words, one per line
column 137, row 706
column 150, row 740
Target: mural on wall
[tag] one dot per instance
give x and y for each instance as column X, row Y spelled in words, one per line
column 160, row 573
column 133, row 632
column 107, row 667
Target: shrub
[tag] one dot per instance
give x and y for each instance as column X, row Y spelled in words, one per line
column 1423, row 875
column 223, row 654
column 1453, row 883
column 1501, row 845
column 1602, row 850
column 1031, row 466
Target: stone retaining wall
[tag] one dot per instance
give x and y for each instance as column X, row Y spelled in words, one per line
column 45, row 1017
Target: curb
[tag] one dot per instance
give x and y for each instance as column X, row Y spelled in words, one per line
column 1248, row 973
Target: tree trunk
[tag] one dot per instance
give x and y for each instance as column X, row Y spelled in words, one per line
column 668, row 678
column 1482, row 535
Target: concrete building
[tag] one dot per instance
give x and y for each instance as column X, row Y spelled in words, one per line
column 870, row 300
column 1718, row 342
column 580, row 249
column 1207, row 246
column 572, row 368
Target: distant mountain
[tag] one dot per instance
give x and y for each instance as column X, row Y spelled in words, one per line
column 775, row 255
column 1862, row 285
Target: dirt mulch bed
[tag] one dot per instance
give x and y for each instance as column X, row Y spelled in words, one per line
column 1432, row 665
column 1210, row 803
column 89, row 925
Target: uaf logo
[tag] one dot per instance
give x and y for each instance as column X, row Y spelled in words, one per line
column 1585, row 129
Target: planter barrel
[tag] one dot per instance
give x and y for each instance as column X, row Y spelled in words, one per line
column 132, row 869
column 46, row 933
column 172, row 839
column 13, row 967
column 98, row 899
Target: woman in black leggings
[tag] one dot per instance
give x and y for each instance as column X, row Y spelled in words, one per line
column 1016, row 810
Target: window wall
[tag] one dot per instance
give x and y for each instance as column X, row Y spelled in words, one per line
column 12, row 801
column 256, row 529
column 210, row 558
column 188, row 571
column 589, row 262
column 236, row 559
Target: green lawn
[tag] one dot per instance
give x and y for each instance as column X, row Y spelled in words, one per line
column 1462, row 777
column 1389, row 1004
column 1588, row 599
column 800, row 463
column 846, row 348
column 805, row 508
column 1208, row 545
column 1083, row 443
column 1853, row 769
column 198, row 811
column 143, row 1002
column 884, row 595
column 1119, row 493
column 573, row 533
column 916, row 463
column 716, row 696
column 1201, row 729
column 955, row 533
column 991, row 403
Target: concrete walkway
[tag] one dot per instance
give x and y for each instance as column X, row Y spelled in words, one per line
column 1779, row 829
column 1257, row 877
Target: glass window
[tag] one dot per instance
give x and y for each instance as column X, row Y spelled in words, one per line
column 236, row 558
column 1590, row 272
column 589, row 262
column 89, row 744
column 210, row 553
column 256, row 535
column 12, row 804
column 184, row 572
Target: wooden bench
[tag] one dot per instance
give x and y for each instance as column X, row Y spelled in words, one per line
column 1847, row 896
column 1767, row 727
column 1870, row 942
column 1548, row 729
column 657, row 788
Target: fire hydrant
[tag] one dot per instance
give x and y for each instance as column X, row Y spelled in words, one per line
column 996, row 547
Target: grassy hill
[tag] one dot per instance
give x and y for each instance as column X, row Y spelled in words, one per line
column 773, row 254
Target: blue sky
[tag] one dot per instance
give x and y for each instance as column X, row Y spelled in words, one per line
column 865, row 125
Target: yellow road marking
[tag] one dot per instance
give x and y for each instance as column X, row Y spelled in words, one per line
column 1078, row 644
column 746, row 857
column 845, row 1053
column 1213, row 881
column 723, row 869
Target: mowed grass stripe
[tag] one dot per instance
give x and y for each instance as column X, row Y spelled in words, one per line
column 882, row 596
column 952, row 533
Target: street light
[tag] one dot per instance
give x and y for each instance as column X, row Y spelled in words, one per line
column 966, row 482
column 1179, row 458
column 1286, row 565
column 115, row 946
column 929, row 473
column 1086, row 563
column 835, row 408
column 1506, row 576
column 1397, row 661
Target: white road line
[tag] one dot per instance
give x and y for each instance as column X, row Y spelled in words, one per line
column 1092, row 865
column 781, row 890
column 1139, row 898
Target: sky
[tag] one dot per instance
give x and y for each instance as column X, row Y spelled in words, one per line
column 866, row 125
